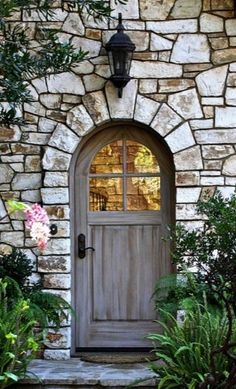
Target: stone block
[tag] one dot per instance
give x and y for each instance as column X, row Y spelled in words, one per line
column 129, row 10
column 151, row 69
column 64, row 139
column 55, row 195
column 211, row 180
column 58, row 212
column 51, row 101
column 230, row 96
column 79, row 120
column 160, row 43
column 32, row 196
column 96, row 105
column 14, row 238
column 73, row 24
column 225, row 117
column 186, row 9
column 6, row 173
column 173, row 26
column 217, row 151
column 212, row 82
column 165, row 120
column 57, row 355
column 180, row 138
column 148, row 86
column 121, row 108
column 230, row 25
column 32, row 163
column 215, row 136
column 211, row 23
column 229, row 166
column 10, row 134
column 212, row 101
column 56, row 160
column 191, row 48
column 40, row 85
column 91, row 46
column 188, row 195
column 187, row 178
column 57, row 281
column 220, row 57
column 186, row 104
column 155, row 10
column 174, row 85
column 54, row 264
column 46, row 125
column 145, row 109
column 187, row 212
column 84, row 67
column 93, row 82
column 58, row 246
column 189, row 159
column 66, row 82
column 23, row 181
column 52, row 179
column 201, row 124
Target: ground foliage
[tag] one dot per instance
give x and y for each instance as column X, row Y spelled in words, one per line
column 19, row 63
column 211, row 251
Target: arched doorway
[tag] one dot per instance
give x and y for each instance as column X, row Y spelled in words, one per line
column 124, row 198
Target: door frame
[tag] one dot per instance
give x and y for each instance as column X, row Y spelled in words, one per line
column 165, row 151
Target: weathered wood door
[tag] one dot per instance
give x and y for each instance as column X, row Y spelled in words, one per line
column 123, row 204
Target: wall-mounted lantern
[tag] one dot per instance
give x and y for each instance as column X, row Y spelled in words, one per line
column 120, row 50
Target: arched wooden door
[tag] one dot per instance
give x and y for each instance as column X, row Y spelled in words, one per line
column 123, row 192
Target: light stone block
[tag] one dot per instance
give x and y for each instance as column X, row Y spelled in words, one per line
column 230, row 96
column 96, row 105
column 63, row 229
column 55, row 195
column 229, row 166
column 122, row 108
column 155, row 10
column 160, row 43
column 151, row 69
column 93, row 82
column 3, row 212
column 186, row 9
column 225, row 117
column 93, row 47
column 201, row 124
column 54, row 264
column 23, row 181
column 230, row 181
column 145, row 109
column 212, row 101
column 226, row 191
column 187, row 178
column 14, row 238
column 84, row 67
column 40, row 85
column 165, row 120
column 64, row 139
column 212, row 82
column 186, row 104
column 211, row 23
column 56, row 160
column 191, row 48
column 33, row 196
column 208, row 181
column 59, row 246
column 46, row 125
column 230, row 25
column 66, row 82
column 129, row 10
column 17, row 167
column 215, row 136
column 57, row 355
column 173, row 26
column 148, row 86
column 37, row 138
column 58, row 339
column 6, row 173
column 187, row 212
column 174, row 85
column 180, row 138
column 217, row 151
column 73, row 24
column 188, row 195
column 189, row 159
column 79, row 120
column 52, row 179
column 103, row 71
column 51, row 101
column 33, row 92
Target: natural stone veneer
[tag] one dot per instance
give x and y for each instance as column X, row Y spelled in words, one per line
column 183, row 88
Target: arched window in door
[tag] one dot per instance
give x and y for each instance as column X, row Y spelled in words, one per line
column 124, row 176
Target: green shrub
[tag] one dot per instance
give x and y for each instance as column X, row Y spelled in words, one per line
column 186, row 349
column 18, row 342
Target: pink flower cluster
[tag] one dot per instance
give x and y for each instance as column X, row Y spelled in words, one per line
column 37, row 222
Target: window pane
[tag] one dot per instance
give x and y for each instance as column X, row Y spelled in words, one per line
column 106, row 194
column 143, row 193
column 109, row 159
column 140, row 159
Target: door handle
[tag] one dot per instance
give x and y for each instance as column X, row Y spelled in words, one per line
column 81, row 246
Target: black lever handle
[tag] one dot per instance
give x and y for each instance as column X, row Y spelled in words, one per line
column 81, row 246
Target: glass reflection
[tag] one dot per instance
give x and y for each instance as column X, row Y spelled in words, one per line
column 143, row 193
column 109, row 159
column 140, row 159
column 106, row 194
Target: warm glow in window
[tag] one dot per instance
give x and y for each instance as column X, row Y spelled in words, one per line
column 124, row 176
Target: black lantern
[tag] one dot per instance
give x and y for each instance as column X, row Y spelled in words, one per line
column 120, row 50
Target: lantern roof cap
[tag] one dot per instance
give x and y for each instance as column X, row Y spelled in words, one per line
column 120, row 39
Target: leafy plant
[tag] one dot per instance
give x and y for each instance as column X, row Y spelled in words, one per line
column 185, row 348
column 18, row 342
column 45, row 307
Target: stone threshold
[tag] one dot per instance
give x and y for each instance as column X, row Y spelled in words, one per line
column 74, row 373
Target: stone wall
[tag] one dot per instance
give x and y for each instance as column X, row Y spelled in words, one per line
column 183, row 87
